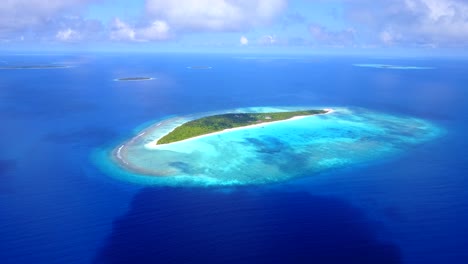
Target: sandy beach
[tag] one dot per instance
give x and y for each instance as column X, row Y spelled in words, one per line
column 153, row 145
column 137, row 80
column 121, row 152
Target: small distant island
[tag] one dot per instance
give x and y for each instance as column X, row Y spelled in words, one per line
column 126, row 79
column 216, row 123
column 199, row 67
column 393, row 67
column 31, row 67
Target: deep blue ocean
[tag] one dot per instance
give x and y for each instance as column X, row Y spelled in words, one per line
column 57, row 206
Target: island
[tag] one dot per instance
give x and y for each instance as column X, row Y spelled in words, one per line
column 216, row 123
column 393, row 67
column 296, row 142
column 199, row 67
column 134, row 79
column 32, row 67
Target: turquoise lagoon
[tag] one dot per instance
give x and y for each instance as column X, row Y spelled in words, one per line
column 271, row 153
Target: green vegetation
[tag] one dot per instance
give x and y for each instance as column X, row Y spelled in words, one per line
column 211, row 124
column 26, row 67
column 135, row 79
column 200, row 67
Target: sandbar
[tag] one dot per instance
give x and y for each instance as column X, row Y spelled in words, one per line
column 133, row 79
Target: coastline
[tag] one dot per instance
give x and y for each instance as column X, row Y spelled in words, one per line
column 153, row 145
column 392, row 67
column 217, row 162
column 35, row 67
column 136, row 80
column 199, row 67
column 119, row 153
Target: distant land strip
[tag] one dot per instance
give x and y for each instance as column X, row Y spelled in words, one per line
column 134, row 79
column 32, row 67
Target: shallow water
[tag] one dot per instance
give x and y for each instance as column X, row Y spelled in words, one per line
column 269, row 153
column 58, row 206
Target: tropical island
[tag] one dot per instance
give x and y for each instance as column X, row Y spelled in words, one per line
column 135, row 79
column 199, row 67
column 217, row 123
column 30, row 67
column 393, row 67
column 295, row 142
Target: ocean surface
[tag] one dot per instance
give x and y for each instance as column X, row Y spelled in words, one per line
column 60, row 202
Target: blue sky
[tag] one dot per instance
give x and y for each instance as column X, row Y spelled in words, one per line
column 320, row 26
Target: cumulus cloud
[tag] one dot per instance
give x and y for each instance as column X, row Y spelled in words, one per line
column 51, row 20
column 169, row 18
column 215, row 15
column 18, row 15
column 68, row 35
column 244, row 41
column 409, row 22
column 60, row 20
column 157, row 30
column 73, row 29
column 267, row 40
column 121, row 31
column 322, row 35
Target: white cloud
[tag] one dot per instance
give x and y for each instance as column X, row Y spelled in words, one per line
column 215, row 15
column 68, row 35
column 267, row 40
column 442, row 20
column 244, row 41
column 51, row 20
column 412, row 22
column 322, row 35
column 18, row 15
column 122, row 31
column 62, row 20
column 386, row 37
column 158, row 30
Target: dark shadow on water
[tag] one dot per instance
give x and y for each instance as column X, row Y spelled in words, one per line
column 272, row 150
column 167, row 225
column 267, row 145
column 6, row 166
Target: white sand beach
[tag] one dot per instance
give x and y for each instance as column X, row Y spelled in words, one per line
column 153, row 145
